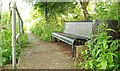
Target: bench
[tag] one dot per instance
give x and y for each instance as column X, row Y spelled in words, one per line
column 76, row 32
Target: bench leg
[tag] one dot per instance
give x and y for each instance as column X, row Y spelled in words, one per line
column 73, row 50
column 53, row 39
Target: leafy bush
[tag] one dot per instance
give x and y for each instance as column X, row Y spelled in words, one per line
column 103, row 52
column 6, row 46
column 44, row 30
column 52, row 17
column 5, row 41
column 0, row 51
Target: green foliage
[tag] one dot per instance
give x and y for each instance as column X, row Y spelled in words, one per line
column 55, row 7
column 5, row 21
column 44, row 30
column 24, row 39
column 5, row 41
column 103, row 52
column 0, row 50
column 6, row 46
column 107, row 10
column 57, row 13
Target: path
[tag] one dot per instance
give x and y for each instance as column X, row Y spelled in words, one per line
column 45, row 55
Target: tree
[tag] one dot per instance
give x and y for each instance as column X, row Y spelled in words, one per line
column 85, row 11
column 0, row 8
column 50, row 9
column 46, row 11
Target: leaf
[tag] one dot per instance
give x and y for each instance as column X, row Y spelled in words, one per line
column 111, row 30
column 113, row 54
column 91, row 63
column 104, row 64
column 110, row 59
column 105, row 45
column 110, row 66
column 98, row 52
column 4, row 50
column 99, row 59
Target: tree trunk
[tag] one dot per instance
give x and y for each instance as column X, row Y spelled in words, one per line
column 10, row 14
column 85, row 11
column 46, row 13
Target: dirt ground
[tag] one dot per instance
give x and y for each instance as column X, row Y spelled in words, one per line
column 45, row 55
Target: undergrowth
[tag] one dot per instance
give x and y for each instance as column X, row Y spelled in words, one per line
column 44, row 30
column 103, row 52
column 6, row 40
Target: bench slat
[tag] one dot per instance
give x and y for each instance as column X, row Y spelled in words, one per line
column 63, row 38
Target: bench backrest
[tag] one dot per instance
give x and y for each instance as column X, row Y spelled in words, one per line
column 80, row 28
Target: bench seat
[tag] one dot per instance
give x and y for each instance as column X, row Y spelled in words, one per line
column 70, row 39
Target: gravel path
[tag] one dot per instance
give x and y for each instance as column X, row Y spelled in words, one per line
column 45, row 55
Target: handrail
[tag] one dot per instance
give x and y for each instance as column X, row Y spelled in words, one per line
column 20, row 31
column 19, row 15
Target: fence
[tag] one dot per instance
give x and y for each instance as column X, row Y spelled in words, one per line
column 15, row 37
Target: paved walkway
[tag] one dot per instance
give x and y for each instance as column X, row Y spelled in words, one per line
column 45, row 55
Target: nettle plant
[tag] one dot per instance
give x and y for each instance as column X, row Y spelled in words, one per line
column 103, row 52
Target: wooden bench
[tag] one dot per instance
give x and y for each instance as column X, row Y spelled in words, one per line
column 76, row 33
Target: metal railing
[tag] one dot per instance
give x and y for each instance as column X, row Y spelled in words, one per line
column 15, row 36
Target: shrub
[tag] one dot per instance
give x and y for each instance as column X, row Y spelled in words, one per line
column 5, row 41
column 103, row 52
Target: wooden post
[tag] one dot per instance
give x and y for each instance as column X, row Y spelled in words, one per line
column 13, row 35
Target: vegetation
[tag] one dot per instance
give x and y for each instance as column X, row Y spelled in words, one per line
column 46, row 21
column 103, row 52
column 5, row 40
column 57, row 13
column 54, row 19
